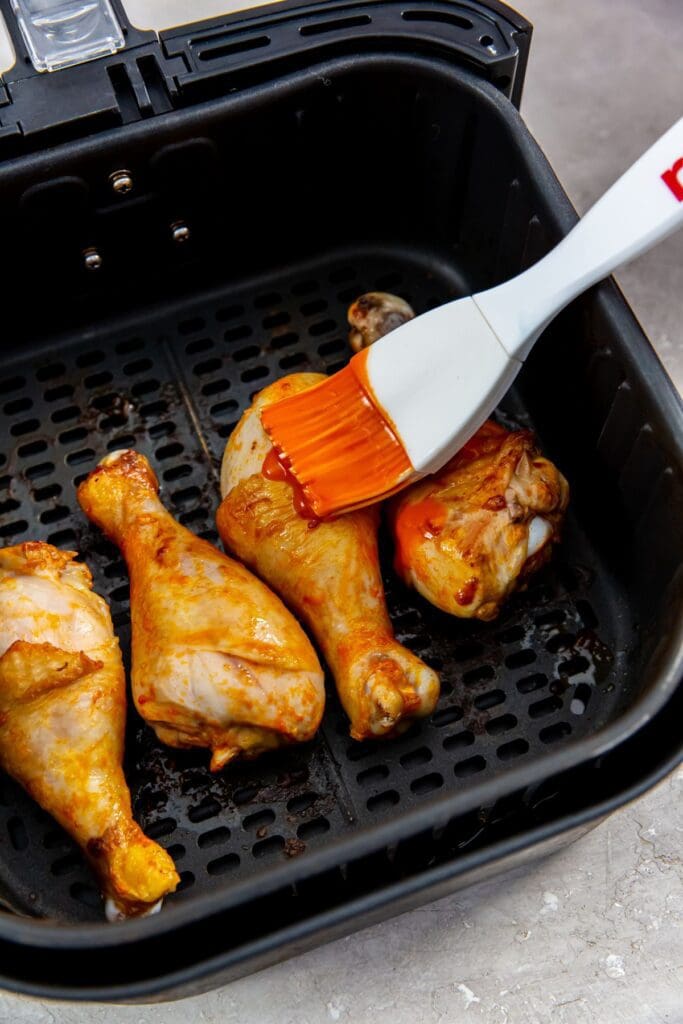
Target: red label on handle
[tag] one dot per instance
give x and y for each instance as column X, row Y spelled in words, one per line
column 672, row 179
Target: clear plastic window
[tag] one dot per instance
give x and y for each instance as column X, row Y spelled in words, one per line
column 59, row 33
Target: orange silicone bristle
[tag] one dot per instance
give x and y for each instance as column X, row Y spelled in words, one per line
column 337, row 444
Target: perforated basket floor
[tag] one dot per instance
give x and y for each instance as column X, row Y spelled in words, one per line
column 544, row 674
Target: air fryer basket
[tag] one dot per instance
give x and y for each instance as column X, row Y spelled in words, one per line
column 387, row 170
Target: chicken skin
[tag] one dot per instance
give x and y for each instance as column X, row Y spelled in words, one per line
column 470, row 534
column 328, row 572
column 218, row 661
column 62, row 720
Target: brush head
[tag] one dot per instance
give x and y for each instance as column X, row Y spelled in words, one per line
column 398, row 411
column 342, row 451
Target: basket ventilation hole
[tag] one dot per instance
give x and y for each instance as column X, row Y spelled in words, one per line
column 214, row 837
column 446, row 716
column 163, row 827
column 186, row 880
column 65, row 865
column 301, row 803
column 513, row 749
column 208, row 808
column 315, row 827
column 555, row 732
column 25, row 427
column 520, row 658
column 47, row 492
column 371, row 775
column 122, row 441
column 416, row 757
column 169, row 451
column 382, row 801
column 222, row 865
column 533, row 682
column 245, row 794
column 14, row 529
column 268, row 847
column 460, row 740
column 471, row 766
column 489, row 700
column 544, row 707
column 501, row 724
column 580, row 700
column 11, row 384
column 16, row 406
column 260, row 819
column 427, row 783
column 63, row 539
column 51, row 371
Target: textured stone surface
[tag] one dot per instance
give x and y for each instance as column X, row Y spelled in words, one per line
column 594, row 934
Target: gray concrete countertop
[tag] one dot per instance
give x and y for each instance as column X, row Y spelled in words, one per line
column 593, row 935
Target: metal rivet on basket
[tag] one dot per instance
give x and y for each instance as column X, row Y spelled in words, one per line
column 121, row 182
column 92, row 259
column 180, row 232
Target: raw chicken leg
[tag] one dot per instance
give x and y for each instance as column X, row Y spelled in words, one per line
column 62, row 719
column 328, row 572
column 218, row 661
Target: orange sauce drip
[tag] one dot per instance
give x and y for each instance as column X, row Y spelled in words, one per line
column 466, row 594
column 422, row 520
column 275, row 467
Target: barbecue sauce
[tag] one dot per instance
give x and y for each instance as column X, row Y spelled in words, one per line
column 275, row 468
column 421, row 520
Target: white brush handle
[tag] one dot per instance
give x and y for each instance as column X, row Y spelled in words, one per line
column 642, row 207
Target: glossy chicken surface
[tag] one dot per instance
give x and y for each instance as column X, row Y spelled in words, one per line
column 470, row 534
column 218, row 661
column 62, row 720
column 328, row 573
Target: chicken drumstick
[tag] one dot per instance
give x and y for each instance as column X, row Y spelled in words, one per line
column 218, row 661
column 328, row 572
column 62, row 720
column 470, row 534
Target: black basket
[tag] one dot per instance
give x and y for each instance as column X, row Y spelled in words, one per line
column 361, row 145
